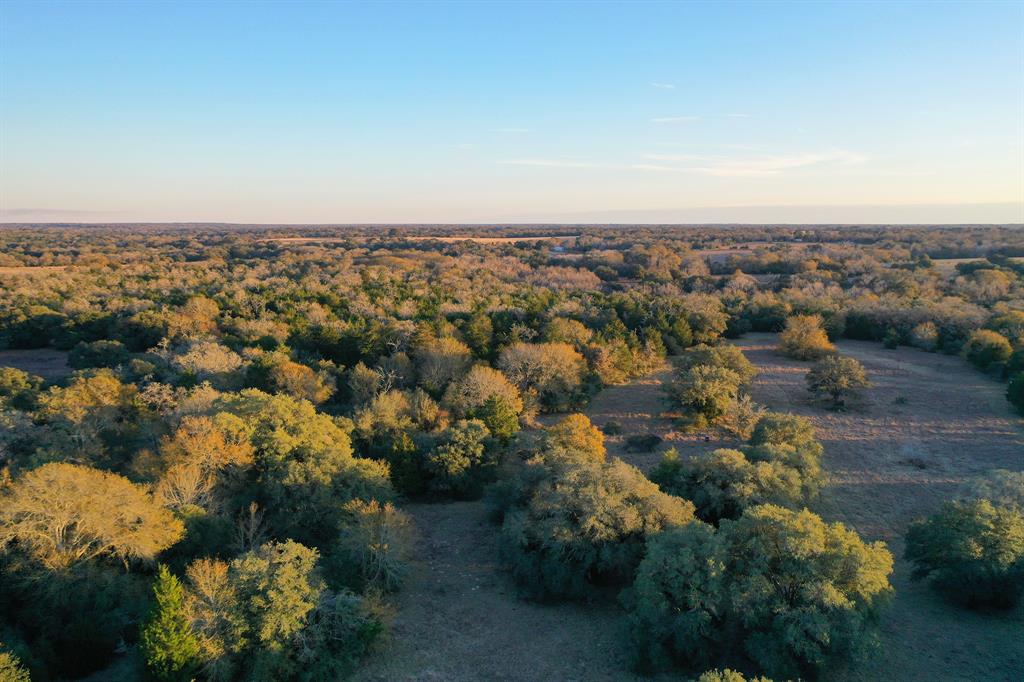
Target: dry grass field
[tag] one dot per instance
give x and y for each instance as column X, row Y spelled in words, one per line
column 48, row 363
column 31, row 269
column 481, row 240
column 928, row 422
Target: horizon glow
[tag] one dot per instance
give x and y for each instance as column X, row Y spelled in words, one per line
column 647, row 112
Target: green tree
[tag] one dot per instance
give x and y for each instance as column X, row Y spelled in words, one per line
column 460, row 464
column 304, row 463
column 795, row 594
column 706, row 390
column 168, row 642
column 837, row 377
column 972, row 551
column 499, row 416
column 578, row 525
column 722, row 355
column 724, row 483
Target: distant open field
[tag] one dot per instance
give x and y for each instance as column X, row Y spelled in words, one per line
column 462, row 619
column 31, row 269
column 48, row 363
column 481, row 240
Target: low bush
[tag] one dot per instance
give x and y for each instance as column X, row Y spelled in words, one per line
column 374, row 548
column 643, row 442
column 985, row 347
column 973, row 552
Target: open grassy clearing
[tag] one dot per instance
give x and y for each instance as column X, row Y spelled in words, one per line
column 31, row 269
column 49, row 363
column 461, row 618
column 889, row 463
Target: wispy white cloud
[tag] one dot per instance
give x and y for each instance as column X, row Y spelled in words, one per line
column 675, row 119
column 663, row 86
column 551, row 163
column 720, row 165
column 774, row 165
column 654, row 167
column 512, row 130
column 674, row 157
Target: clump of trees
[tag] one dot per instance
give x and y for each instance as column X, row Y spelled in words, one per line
column 710, row 382
column 574, row 523
column 267, row 614
column 779, row 465
column 972, row 551
column 794, row 594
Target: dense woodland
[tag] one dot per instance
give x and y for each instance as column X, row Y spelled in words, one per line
column 214, row 489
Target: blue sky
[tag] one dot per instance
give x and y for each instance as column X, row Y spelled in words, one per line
column 512, row 112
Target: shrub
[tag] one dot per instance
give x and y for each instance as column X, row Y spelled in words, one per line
column 728, row 675
column 724, row 483
column 19, row 388
column 789, row 440
column 579, row 525
column 973, row 552
column 612, row 428
column 677, row 603
column 925, row 336
column 101, row 353
column 375, row 547
column 741, row 416
column 1015, row 392
column 985, row 347
column 643, row 442
column 795, row 594
column 837, row 377
column 11, row 669
column 1000, row 487
column 804, row 338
